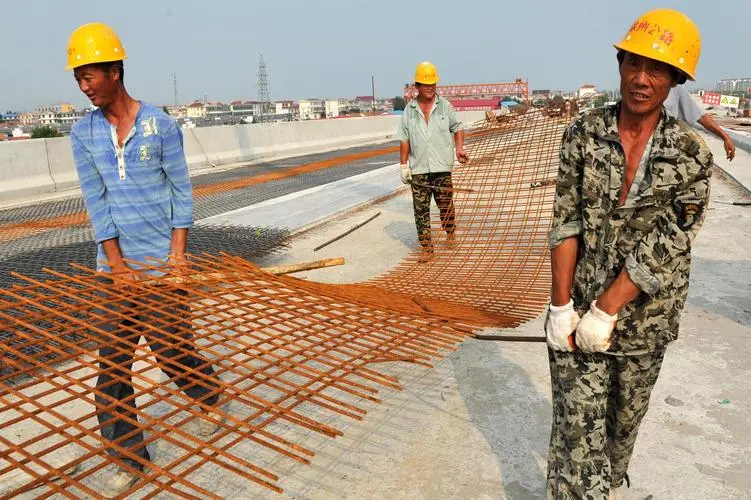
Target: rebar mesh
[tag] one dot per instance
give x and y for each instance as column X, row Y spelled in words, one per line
column 214, row 193
column 287, row 353
column 58, row 250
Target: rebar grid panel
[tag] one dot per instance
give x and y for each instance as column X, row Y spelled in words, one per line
column 496, row 272
column 58, row 249
column 287, row 354
column 28, row 221
column 281, row 357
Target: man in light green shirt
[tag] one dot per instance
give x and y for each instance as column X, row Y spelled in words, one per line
column 429, row 133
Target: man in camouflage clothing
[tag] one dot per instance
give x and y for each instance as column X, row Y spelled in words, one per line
column 631, row 195
column 428, row 134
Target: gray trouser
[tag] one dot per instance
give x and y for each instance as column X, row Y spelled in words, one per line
column 175, row 356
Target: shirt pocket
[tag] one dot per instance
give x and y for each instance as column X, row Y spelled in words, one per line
column 444, row 125
column 594, row 184
column 148, row 153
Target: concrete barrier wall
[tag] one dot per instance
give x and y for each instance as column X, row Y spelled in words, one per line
column 39, row 166
column 741, row 141
column 24, row 169
column 61, row 166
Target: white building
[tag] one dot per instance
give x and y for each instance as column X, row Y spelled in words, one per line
column 47, row 118
column 284, row 107
column 587, row 90
column 311, row 109
column 332, row 108
column 177, row 111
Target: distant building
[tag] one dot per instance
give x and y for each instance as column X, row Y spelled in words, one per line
column 9, row 116
column 217, row 111
column 736, row 85
column 332, row 108
column 587, row 90
column 283, row 108
column 311, row 109
column 62, row 107
column 244, row 109
column 177, row 111
column 474, row 104
column 29, row 119
column 196, row 109
column 60, row 118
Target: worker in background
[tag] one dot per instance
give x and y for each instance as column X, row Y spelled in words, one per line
column 429, row 133
column 631, row 194
column 681, row 106
column 134, row 179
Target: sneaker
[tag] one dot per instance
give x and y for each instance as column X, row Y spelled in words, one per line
column 619, row 492
column 119, row 483
column 208, row 427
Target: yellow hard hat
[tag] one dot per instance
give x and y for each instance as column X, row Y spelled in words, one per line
column 665, row 35
column 94, row 43
column 426, row 73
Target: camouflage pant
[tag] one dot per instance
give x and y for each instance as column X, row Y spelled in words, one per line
column 598, row 404
column 421, row 201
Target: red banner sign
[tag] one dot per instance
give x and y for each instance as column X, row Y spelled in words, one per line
column 712, row 98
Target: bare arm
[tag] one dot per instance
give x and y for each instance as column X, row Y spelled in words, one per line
column 403, row 152
column 114, row 255
column 459, row 143
column 179, row 242
column 708, row 123
column 622, row 291
column 459, row 140
column 563, row 264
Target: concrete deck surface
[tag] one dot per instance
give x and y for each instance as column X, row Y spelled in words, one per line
column 477, row 425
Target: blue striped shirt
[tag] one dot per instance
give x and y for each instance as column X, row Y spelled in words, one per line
column 139, row 193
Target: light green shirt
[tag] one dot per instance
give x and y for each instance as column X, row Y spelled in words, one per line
column 431, row 145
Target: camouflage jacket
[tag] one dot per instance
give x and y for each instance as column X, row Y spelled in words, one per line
column 649, row 235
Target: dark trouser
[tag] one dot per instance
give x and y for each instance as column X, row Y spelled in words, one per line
column 180, row 353
column 423, row 187
column 599, row 402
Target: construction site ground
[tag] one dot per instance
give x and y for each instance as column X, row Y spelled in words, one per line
column 477, row 424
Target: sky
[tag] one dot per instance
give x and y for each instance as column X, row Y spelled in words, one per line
column 331, row 48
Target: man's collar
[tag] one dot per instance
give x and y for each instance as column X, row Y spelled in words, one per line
column 413, row 103
column 665, row 136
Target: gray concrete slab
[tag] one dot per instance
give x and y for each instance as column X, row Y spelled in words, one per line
column 477, row 424
column 739, row 168
column 298, row 210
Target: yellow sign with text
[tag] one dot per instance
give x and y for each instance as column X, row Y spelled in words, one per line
column 729, row 101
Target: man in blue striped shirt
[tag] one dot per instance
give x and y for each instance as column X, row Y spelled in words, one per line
column 134, row 179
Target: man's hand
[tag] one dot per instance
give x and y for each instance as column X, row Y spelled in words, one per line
column 406, row 173
column 595, row 330
column 123, row 275
column 562, row 322
column 461, row 156
column 729, row 148
column 178, row 259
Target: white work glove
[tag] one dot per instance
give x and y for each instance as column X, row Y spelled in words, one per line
column 406, row 173
column 595, row 330
column 562, row 321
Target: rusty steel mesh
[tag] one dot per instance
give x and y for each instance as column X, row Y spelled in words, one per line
column 287, row 354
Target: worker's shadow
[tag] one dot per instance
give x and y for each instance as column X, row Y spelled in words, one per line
column 403, row 232
column 511, row 412
column 722, row 287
